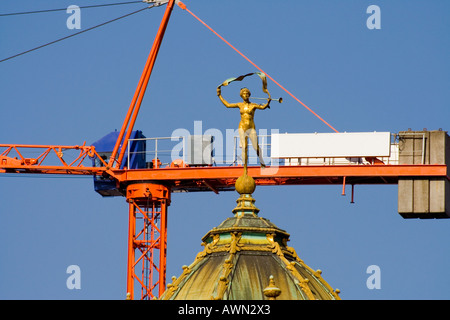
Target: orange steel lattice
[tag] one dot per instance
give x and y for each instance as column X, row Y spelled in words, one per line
column 50, row 159
column 147, row 239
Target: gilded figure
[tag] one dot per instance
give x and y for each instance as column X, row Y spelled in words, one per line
column 246, row 127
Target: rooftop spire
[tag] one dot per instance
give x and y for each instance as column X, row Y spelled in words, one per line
column 245, row 186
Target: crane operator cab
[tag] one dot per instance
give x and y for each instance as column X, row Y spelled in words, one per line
column 134, row 160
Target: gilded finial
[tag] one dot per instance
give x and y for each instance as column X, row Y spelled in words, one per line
column 245, row 184
column 272, row 291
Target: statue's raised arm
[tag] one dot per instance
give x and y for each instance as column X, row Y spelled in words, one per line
column 225, row 102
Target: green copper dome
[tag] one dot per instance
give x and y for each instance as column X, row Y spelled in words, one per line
column 246, row 257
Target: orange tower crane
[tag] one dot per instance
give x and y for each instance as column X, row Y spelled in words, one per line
column 148, row 190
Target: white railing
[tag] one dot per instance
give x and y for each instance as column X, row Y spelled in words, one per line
column 165, row 151
column 159, row 151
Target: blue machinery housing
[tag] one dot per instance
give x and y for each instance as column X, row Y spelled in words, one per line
column 104, row 147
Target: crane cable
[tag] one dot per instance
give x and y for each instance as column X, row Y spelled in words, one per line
column 183, row 6
column 64, row 9
column 80, row 32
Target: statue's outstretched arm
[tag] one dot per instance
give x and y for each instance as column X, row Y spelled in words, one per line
column 264, row 106
column 225, row 102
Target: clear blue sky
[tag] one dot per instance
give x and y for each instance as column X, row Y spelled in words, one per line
column 359, row 80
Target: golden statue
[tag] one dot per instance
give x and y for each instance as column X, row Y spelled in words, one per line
column 246, row 125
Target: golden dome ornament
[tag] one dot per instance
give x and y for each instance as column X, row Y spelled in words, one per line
column 272, row 291
column 245, row 184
